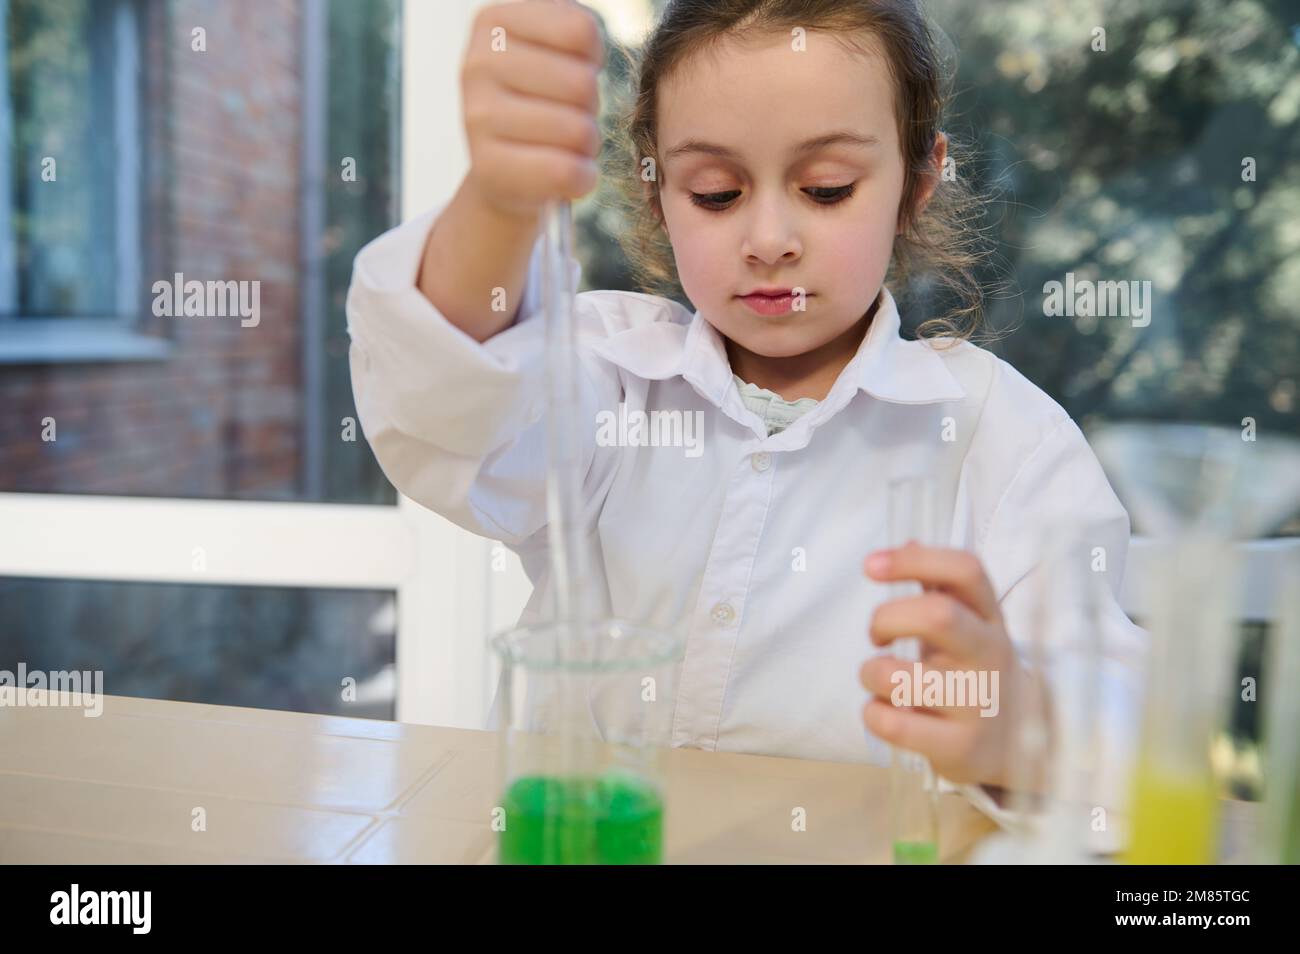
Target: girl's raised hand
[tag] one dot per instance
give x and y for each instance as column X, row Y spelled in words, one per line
column 530, row 92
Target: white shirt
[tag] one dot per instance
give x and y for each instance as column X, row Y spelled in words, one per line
column 750, row 546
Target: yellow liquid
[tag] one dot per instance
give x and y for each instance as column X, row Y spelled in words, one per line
column 1175, row 819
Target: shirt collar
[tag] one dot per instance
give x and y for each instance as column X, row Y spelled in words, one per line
column 886, row 366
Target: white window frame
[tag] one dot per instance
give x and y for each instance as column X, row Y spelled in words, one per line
column 449, row 599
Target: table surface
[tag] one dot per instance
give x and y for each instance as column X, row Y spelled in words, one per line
column 128, row 786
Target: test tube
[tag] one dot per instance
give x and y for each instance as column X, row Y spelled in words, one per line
column 914, row 815
column 1175, row 795
column 1278, row 839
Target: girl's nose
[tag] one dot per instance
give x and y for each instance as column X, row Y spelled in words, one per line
column 771, row 235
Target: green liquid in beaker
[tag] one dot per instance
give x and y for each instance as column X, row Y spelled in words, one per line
column 614, row 819
column 1175, row 819
column 916, row 853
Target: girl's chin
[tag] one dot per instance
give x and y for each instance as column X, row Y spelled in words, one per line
column 775, row 344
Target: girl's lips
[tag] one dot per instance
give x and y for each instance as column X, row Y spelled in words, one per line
column 769, row 304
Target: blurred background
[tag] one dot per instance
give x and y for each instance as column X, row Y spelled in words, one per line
column 202, row 522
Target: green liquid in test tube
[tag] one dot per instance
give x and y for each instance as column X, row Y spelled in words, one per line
column 916, row 853
column 913, row 809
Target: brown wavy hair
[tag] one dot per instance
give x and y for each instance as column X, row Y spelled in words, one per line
column 941, row 245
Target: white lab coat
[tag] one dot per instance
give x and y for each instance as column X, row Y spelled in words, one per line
column 750, row 546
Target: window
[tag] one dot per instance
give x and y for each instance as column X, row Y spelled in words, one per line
column 231, row 145
column 243, row 143
column 1153, row 145
column 70, row 205
column 305, row 650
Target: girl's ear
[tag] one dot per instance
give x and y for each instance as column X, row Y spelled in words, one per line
column 651, row 191
column 926, row 187
column 937, row 156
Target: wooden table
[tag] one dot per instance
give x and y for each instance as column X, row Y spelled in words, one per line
column 168, row 782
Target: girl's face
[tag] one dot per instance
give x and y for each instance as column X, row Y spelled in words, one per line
column 780, row 169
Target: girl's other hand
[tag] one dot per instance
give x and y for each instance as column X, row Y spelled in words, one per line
column 959, row 625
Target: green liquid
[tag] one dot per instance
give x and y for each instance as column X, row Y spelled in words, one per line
column 916, row 853
column 615, row 819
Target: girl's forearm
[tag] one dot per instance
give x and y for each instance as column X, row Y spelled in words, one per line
column 475, row 263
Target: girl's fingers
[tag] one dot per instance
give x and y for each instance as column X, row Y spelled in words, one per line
column 942, row 741
column 957, row 572
column 551, row 170
column 938, row 620
column 566, row 27
column 532, row 71
column 894, row 681
column 877, row 674
column 541, row 123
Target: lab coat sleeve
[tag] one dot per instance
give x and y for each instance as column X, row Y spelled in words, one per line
column 1060, row 490
column 456, row 425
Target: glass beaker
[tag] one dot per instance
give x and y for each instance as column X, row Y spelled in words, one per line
column 583, row 718
column 1055, row 751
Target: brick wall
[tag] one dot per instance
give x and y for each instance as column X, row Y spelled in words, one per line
column 221, row 417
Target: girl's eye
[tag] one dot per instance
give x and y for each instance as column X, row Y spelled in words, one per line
column 714, row 201
column 822, row 195
column 830, row 195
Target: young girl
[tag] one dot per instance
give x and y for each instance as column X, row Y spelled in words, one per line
column 783, row 152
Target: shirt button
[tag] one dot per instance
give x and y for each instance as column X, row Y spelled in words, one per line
column 722, row 613
column 761, row 461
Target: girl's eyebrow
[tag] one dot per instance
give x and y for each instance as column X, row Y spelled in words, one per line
column 808, row 145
